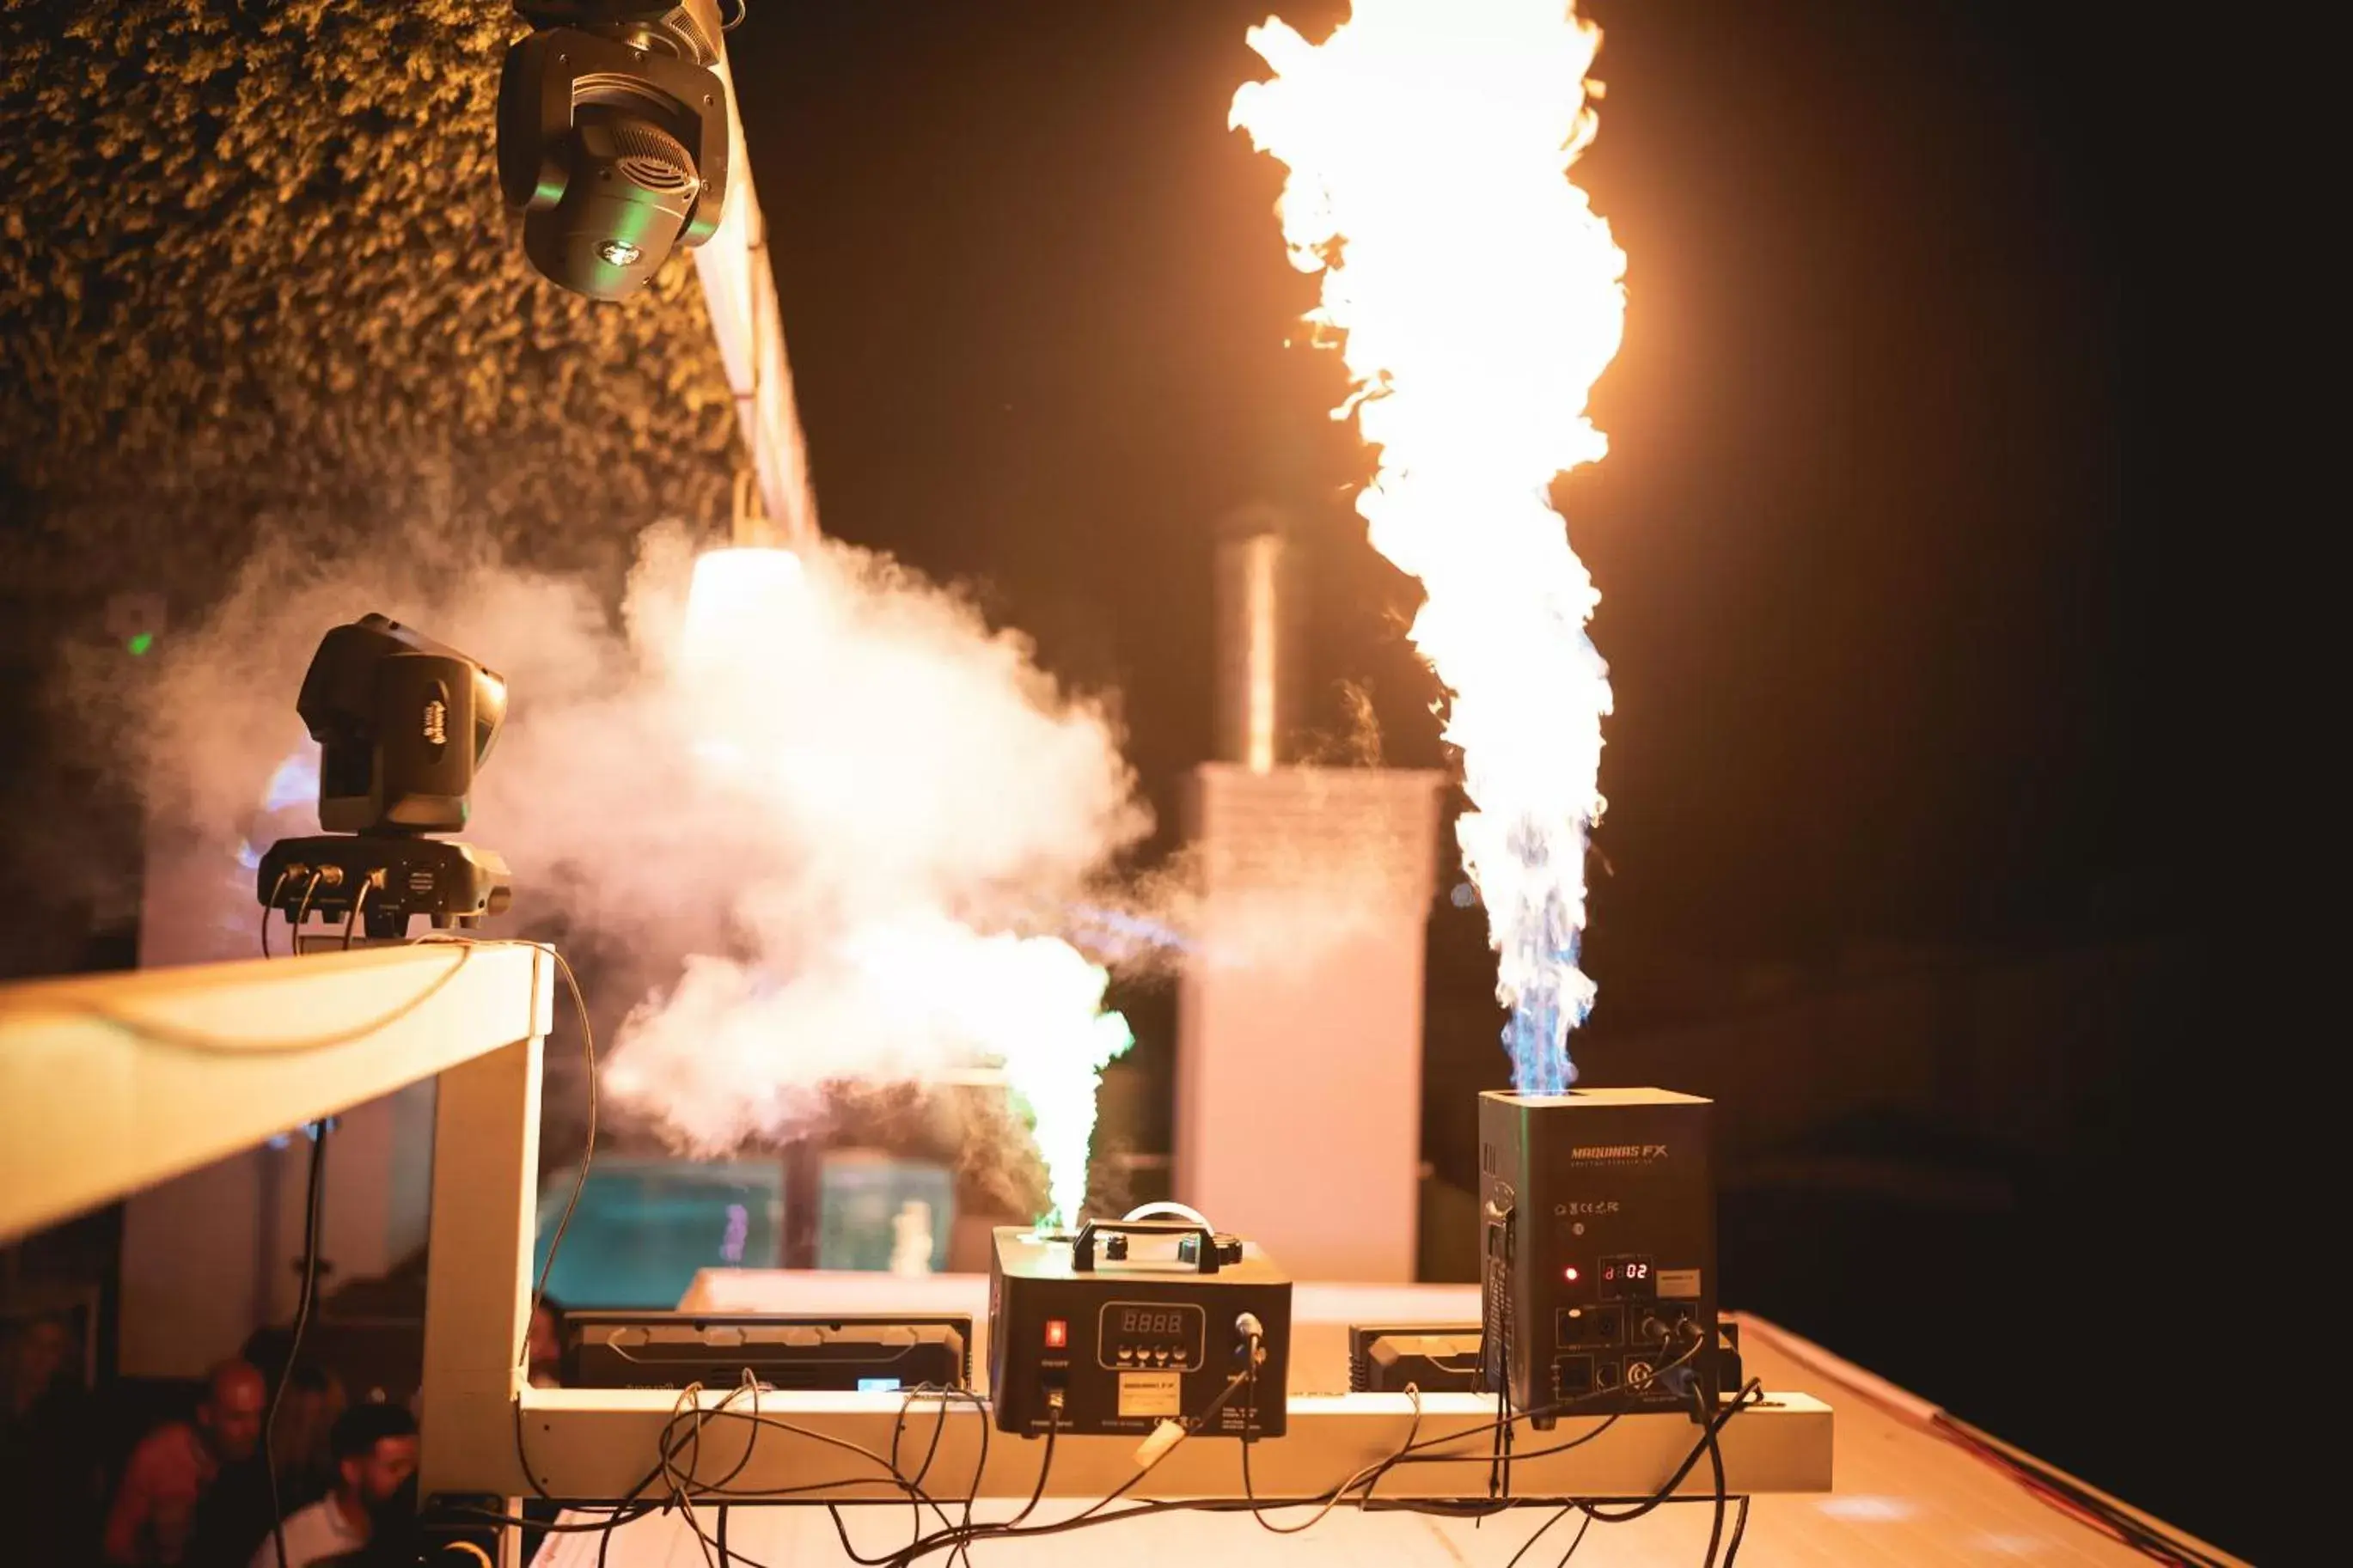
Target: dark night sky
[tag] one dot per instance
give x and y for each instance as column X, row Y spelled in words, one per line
column 1860, row 538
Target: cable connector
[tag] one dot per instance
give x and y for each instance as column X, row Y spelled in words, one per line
column 1165, row 1436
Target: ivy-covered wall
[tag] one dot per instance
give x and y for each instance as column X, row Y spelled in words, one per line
column 257, row 284
column 255, row 274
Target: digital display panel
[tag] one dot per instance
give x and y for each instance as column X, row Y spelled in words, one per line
column 1628, row 1278
column 1150, row 1336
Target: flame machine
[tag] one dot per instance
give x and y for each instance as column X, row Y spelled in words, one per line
column 1598, row 1283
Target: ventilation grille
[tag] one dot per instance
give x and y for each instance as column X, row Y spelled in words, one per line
column 1495, row 1324
column 687, row 28
column 652, row 157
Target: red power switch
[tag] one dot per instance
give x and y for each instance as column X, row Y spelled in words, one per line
column 1058, row 1334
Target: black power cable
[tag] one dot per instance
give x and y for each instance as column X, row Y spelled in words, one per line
column 270, row 908
column 157, row 1033
column 314, row 1189
column 678, row 1434
column 681, row 1435
column 587, row 1154
column 1739, row 1529
column 358, row 902
column 1715, row 1465
column 621, row 1513
column 1529, row 1544
column 961, row 1537
column 1045, row 1463
column 1370, row 1477
column 939, row 1430
column 1666, row 1493
column 1412, row 1451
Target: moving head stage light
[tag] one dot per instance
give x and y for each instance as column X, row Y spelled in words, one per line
column 402, row 723
column 613, row 136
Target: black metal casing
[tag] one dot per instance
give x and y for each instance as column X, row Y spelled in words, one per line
column 393, row 880
column 1435, row 1358
column 1448, row 1357
column 613, row 137
column 1113, row 1303
column 673, row 1349
column 1599, row 1285
column 402, row 724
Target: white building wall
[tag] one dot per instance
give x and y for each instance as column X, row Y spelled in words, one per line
column 1299, row 1043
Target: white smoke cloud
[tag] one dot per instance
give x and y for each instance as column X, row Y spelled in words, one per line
column 829, row 814
column 895, row 789
column 817, row 821
column 732, row 1052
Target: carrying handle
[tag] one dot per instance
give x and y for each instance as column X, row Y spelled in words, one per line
column 1083, row 1246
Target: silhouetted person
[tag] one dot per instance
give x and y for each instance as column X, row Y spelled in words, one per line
column 545, row 1368
column 376, row 1461
column 153, row 1517
column 546, row 1354
column 241, row 1507
column 37, row 1361
column 48, row 1487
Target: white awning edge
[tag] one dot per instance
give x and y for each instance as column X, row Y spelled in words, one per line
column 740, row 293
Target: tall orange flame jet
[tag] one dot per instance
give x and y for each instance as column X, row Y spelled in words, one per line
column 1475, row 297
